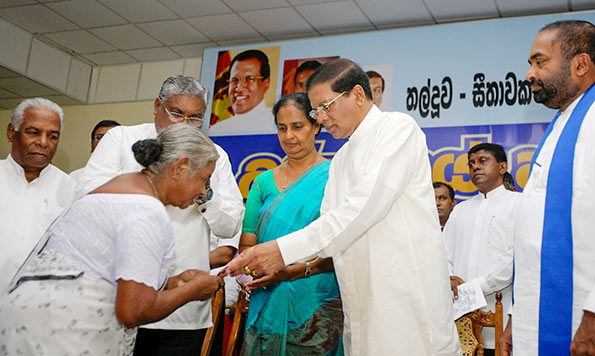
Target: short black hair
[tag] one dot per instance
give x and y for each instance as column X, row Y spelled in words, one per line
column 103, row 123
column 451, row 192
column 265, row 68
column 374, row 74
column 307, row 65
column 494, row 149
column 298, row 100
column 575, row 37
column 342, row 74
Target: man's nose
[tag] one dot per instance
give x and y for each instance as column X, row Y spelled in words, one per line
column 530, row 74
column 42, row 140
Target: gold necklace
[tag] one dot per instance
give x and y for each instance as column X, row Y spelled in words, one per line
column 152, row 185
column 286, row 167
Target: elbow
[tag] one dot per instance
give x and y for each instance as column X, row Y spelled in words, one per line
column 127, row 319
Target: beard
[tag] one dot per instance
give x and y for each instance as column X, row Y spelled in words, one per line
column 557, row 90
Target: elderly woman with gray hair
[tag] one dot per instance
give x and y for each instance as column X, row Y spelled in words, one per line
column 101, row 268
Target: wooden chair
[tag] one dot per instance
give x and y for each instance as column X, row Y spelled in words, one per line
column 217, row 304
column 239, row 322
column 471, row 324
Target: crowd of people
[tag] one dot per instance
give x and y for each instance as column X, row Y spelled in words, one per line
column 358, row 255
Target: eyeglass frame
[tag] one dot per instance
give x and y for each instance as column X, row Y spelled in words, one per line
column 177, row 117
column 244, row 80
column 324, row 107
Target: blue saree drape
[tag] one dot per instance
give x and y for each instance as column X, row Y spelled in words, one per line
column 301, row 317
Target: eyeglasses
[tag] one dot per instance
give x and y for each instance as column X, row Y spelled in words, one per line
column 247, row 80
column 177, row 117
column 323, row 108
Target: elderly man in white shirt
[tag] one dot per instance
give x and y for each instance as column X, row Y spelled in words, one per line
column 479, row 232
column 181, row 99
column 34, row 192
column 378, row 222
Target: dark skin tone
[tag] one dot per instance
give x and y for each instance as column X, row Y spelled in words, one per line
column 486, row 174
column 341, row 120
column 34, row 143
column 549, row 65
column 137, row 303
column 296, row 136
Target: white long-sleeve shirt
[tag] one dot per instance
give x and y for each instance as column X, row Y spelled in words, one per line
column 222, row 215
column 26, row 210
column 478, row 237
column 379, row 223
column 529, row 231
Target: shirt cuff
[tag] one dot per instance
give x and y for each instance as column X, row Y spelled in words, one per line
column 294, row 247
column 210, row 208
column 590, row 302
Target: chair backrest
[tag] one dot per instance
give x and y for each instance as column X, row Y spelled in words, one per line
column 217, row 304
column 471, row 324
column 239, row 321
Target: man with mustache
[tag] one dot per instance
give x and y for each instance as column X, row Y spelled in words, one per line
column 249, row 80
column 479, row 233
column 554, row 247
column 445, row 201
column 33, row 191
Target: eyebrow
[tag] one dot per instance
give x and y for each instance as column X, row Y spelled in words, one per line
column 535, row 55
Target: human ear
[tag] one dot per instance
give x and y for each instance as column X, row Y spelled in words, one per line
column 581, row 64
column 503, row 167
column 156, row 105
column 359, row 93
column 10, row 132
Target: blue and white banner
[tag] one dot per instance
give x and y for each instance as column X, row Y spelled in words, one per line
column 463, row 83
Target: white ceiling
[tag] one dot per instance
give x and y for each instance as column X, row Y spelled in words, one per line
column 105, row 32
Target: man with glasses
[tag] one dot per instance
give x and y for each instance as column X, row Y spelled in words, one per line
column 378, row 222
column 181, row 100
column 249, row 79
column 97, row 134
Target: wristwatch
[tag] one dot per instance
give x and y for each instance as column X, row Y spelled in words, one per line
column 205, row 198
column 308, row 271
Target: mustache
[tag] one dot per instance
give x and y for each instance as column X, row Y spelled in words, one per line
column 538, row 82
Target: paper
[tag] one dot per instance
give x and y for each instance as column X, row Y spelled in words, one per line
column 470, row 298
column 215, row 271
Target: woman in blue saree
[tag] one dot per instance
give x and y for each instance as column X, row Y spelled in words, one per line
column 297, row 311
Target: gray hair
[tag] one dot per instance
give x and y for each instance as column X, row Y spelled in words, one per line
column 175, row 142
column 18, row 114
column 179, row 84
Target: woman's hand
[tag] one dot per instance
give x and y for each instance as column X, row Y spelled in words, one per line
column 289, row 273
column 203, row 285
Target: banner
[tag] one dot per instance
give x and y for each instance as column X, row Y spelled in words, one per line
column 463, row 83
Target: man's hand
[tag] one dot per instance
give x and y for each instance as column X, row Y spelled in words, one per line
column 505, row 341
column 263, row 259
column 583, row 343
column 455, row 281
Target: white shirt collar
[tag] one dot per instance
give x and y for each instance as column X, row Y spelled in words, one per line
column 18, row 170
column 367, row 126
column 494, row 192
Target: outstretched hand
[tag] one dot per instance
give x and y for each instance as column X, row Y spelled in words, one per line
column 288, row 273
column 263, row 260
